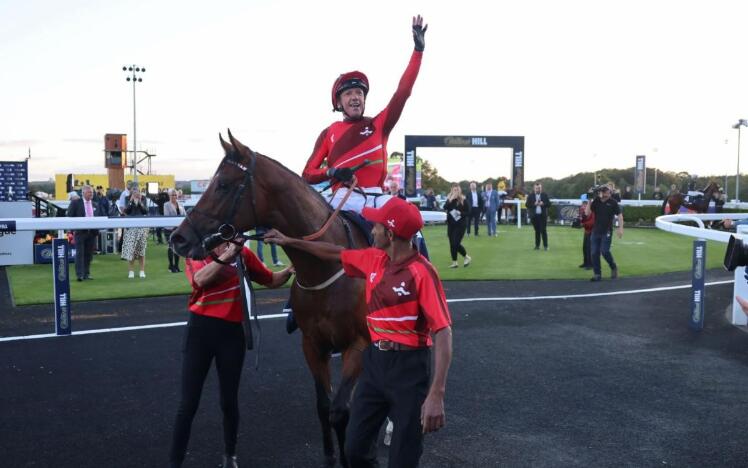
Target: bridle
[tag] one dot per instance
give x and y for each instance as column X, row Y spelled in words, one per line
column 227, row 231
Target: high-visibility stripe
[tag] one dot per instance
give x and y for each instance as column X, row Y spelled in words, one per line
column 376, row 148
column 395, row 319
column 399, row 332
column 222, row 301
column 222, row 291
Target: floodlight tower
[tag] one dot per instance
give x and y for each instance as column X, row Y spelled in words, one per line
column 741, row 123
column 132, row 75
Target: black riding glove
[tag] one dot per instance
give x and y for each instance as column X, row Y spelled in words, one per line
column 419, row 36
column 343, row 174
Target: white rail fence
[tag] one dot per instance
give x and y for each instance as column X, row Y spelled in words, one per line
column 669, row 223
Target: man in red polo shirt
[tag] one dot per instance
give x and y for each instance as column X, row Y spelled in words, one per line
column 406, row 307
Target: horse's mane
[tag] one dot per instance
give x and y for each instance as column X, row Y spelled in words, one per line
column 298, row 178
column 710, row 184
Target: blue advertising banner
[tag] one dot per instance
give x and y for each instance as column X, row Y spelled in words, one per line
column 640, row 175
column 696, row 320
column 7, row 226
column 14, row 180
column 61, row 280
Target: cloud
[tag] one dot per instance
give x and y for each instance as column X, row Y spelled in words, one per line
column 83, row 140
column 20, row 142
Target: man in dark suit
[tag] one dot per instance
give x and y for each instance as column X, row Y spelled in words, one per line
column 476, row 203
column 537, row 209
column 85, row 240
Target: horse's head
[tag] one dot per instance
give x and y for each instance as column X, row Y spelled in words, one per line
column 217, row 215
column 711, row 189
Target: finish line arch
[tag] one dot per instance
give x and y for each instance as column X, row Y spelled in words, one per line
column 413, row 142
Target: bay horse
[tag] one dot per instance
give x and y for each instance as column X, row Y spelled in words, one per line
column 248, row 190
column 509, row 208
column 675, row 201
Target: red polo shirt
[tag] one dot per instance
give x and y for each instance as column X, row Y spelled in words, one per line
column 406, row 301
column 223, row 299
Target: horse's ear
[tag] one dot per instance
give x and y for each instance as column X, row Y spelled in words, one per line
column 227, row 148
column 238, row 146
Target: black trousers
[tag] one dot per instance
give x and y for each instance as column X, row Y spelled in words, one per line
column 455, row 233
column 173, row 257
column 587, row 250
column 394, row 384
column 85, row 243
column 208, row 338
column 538, row 223
column 474, row 220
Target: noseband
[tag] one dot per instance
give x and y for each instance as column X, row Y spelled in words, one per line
column 227, row 231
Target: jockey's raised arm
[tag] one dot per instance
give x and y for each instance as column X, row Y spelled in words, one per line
column 358, row 140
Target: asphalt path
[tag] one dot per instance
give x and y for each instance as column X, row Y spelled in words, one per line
column 615, row 380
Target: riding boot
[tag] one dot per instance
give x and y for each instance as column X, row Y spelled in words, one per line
column 291, row 325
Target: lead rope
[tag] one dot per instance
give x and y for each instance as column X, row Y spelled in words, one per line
column 249, row 308
column 329, row 221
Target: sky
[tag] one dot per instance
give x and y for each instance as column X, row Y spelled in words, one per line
column 589, row 84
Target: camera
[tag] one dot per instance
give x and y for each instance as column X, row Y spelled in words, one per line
column 736, row 254
column 113, row 194
column 594, row 192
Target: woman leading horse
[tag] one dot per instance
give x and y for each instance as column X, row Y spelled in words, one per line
column 329, row 306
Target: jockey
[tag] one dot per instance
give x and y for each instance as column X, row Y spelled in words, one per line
column 357, row 140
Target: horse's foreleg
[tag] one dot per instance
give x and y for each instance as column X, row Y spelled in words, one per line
column 319, row 365
column 341, row 405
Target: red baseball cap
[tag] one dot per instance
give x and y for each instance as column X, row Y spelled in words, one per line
column 397, row 215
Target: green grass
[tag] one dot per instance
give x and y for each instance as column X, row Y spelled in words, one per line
column 641, row 252
column 32, row 284
column 510, row 256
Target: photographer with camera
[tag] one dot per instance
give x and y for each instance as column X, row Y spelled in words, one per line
column 605, row 209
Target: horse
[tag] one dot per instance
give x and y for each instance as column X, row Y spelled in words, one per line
column 675, row 201
column 509, row 208
column 248, row 190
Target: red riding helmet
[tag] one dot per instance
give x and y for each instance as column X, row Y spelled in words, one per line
column 354, row 79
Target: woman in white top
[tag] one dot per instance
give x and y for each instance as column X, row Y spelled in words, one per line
column 172, row 208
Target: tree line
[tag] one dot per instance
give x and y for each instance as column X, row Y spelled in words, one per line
column 575, row 185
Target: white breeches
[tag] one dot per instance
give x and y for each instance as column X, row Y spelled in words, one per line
column 357, row 201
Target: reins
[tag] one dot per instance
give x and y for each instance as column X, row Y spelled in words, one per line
column 334, row 214
column 327, row 224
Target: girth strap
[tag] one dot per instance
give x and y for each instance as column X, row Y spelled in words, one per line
column 322, row 286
